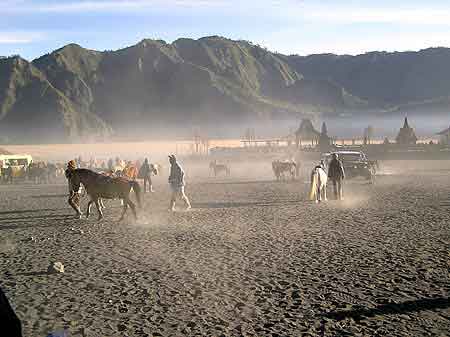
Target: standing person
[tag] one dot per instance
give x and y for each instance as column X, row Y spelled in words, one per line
column 336, row 174
column 9, row 174
column 110, row 164
column 145, row 173
column 176, row 182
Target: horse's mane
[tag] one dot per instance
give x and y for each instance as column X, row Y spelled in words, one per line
column 88, row 172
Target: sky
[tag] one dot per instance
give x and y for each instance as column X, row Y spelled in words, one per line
column 31, row 28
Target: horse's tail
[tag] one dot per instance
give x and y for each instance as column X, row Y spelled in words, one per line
column 297, row 170
column 137, row 190
column 319, row 179
column 312, row 193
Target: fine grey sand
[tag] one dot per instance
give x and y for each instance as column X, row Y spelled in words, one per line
column 253, row 258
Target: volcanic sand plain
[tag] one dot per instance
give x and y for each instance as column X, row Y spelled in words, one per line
column 254, row 257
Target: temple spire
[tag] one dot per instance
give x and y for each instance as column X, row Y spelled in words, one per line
column 406, row 135
column 406, row 124
column 324, row 129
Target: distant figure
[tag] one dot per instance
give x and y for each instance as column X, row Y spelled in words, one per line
column 145, row 172
column 218, row 168
column 9, row 174
column 176, row 182
column 281, row 168
column 110, row 164
column 92, row 163
column 336, row 174
column 9, row 322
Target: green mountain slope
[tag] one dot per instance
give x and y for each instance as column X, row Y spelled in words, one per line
column 74, row 92
column 383, row 78
column 32, row 108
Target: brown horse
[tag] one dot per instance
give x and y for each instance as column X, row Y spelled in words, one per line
column 130, row 172
column 99, row 187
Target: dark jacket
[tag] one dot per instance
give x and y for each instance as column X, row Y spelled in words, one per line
column 336, row 170
column 144, row 171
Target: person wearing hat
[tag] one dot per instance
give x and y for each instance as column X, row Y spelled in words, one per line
column 336, row 174
column 177, row 183
column 145, row 172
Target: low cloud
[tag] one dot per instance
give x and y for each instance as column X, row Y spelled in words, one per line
column 282, row 41
column 32, row 6
column 20, row 37
column 350, row 14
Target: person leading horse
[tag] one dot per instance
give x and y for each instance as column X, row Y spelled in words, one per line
column 336, row 174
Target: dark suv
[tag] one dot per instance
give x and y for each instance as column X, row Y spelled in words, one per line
column 355, row 164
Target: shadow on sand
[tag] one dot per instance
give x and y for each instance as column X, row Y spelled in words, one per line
column 391, row 309
column 251, row 182
column 34, row 273
column 25, row 211
column 212, row 205
column 35, row 217
column 18, row 223
column 45, row 196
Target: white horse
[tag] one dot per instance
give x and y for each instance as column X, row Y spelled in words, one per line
column 319, row 179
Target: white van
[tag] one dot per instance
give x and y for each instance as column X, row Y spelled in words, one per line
column 20, row 160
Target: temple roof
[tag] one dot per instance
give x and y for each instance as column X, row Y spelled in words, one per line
column 406, row 135
column 444, row 132
column 306, row 130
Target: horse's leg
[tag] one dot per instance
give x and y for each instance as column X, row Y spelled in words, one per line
column 88, row 211
column 99, row 209
column 325, row 192
column 133, row 208
column 102, row 205
column 125, row 207
column 75, row 207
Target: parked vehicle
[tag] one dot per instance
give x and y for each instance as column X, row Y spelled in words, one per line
column 355, row 164
column 14, row 166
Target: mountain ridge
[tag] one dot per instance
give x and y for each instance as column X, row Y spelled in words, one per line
column 207, row 81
